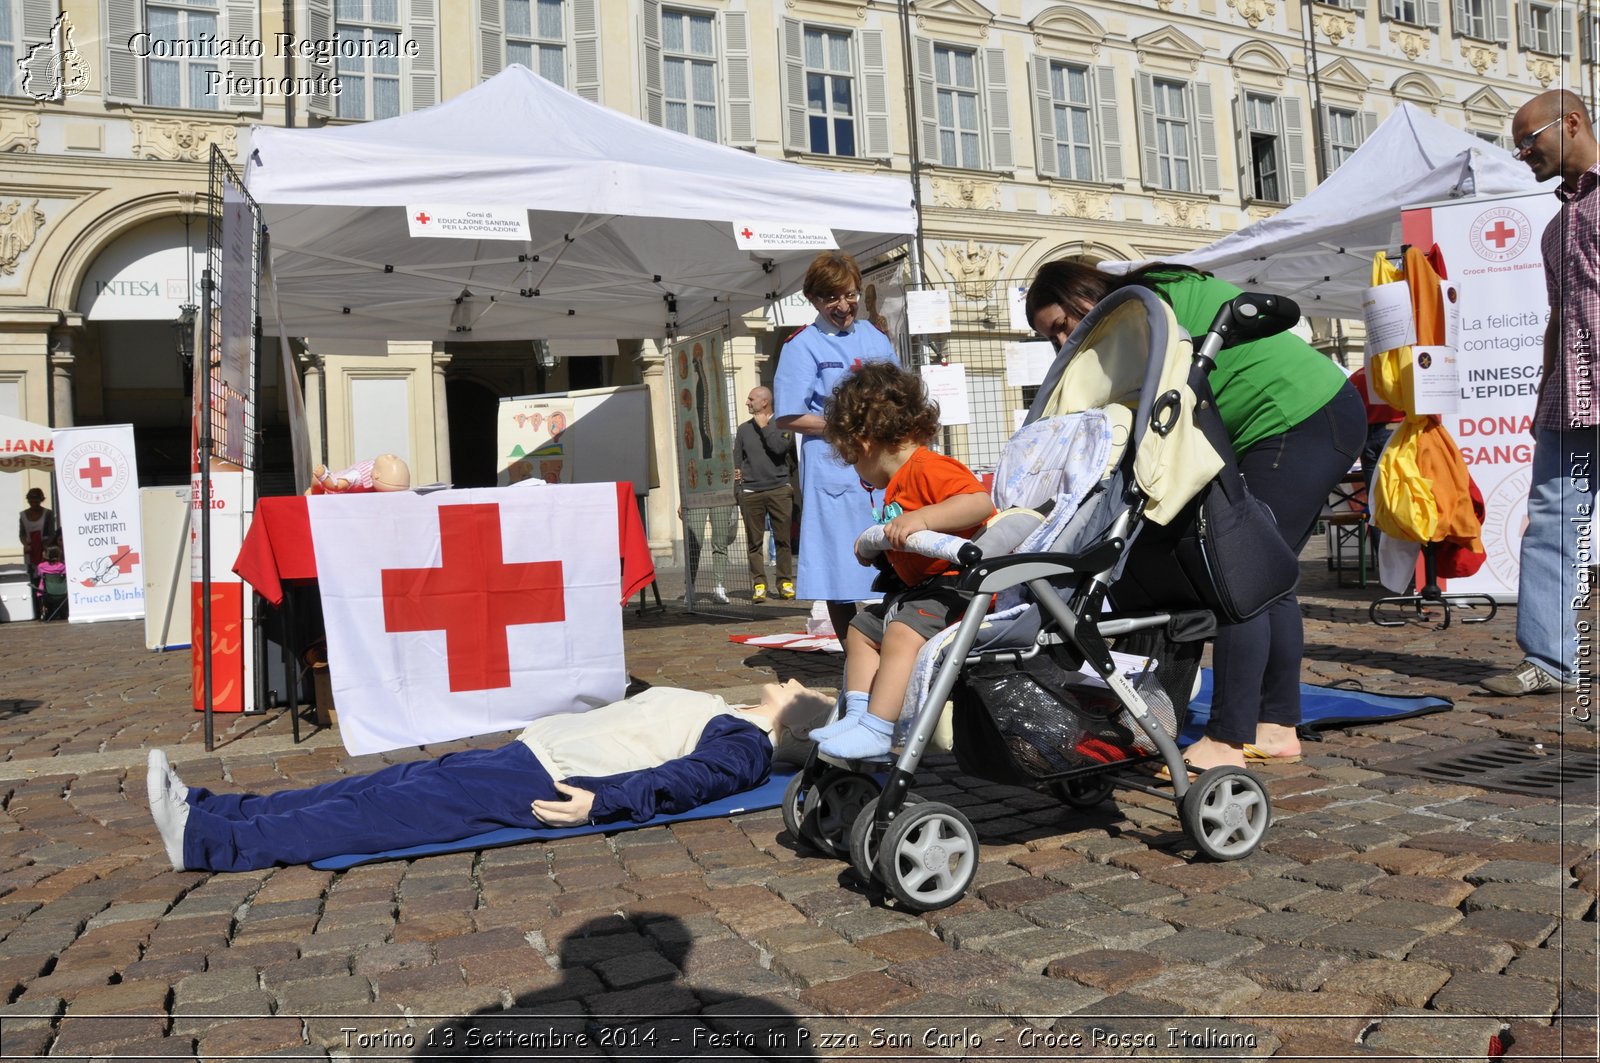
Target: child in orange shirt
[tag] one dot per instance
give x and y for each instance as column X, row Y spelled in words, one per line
column 880, row 421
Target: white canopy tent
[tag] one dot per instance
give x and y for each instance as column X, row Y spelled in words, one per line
column 627, row 221
column 1319, row 250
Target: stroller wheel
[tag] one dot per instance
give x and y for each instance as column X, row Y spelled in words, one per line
column 831, row 807
column 1084, row 793
column 864, row 840
column 928, row 856
column 1226, row 811
column 794, row 796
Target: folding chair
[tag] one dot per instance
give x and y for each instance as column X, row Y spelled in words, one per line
column 1346, row 521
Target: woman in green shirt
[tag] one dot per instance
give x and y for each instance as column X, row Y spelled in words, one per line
column 1296, row 426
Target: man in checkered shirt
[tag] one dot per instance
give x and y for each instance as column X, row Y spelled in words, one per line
column 1555, row 613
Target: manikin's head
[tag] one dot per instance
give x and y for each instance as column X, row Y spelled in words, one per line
column 789, row 711
column 389, row 473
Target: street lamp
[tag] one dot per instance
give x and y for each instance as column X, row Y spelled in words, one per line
column 183, row 340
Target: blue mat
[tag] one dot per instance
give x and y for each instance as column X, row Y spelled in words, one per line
column 1323, row 708
column 768, row 795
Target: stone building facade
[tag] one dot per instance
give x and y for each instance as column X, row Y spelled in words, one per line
column 1099, row 128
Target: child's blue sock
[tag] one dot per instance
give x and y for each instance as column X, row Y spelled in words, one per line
column 868, row 737
column 855, row 705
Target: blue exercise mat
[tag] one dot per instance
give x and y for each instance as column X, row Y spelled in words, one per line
column 1323, row 708
column 768, row 795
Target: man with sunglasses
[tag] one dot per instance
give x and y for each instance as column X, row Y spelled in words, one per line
column 1553, row 135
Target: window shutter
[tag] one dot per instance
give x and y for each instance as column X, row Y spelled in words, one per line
column 927, row 103
column 1458, row 17
column 38, row 18
column 124, row 82
column 1564, row 19
column 1147, row 129
column 423, row 25
column 586, row 49
column 1369, row 125
column 1430, row 13
column 999, row 100
column 1241, row 125
column 1524, row 26
column 654, row 89
column 1294, row 142
column 1108, row 124
column 736, row 54
column 315, row 18
column 491, row 39
column 796, row 134
column 1589, row 39
column 1210, row 175
column 1044, row 118
column 874, row 95
column 1329, row 164
column 241, row 18
column 1500, row 25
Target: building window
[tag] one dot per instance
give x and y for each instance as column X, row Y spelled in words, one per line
column 1071, row 108
column 830, row 92
column 689, row 72
column 1474, row 18
column 1544, row 28
column 536, row 37
column 955, row 76
column 1407, row 11
column 1266, row 148
column 1344, row 135
column 369, row 81
column 1174, row 167
column 183, row 31
column 1497, row 139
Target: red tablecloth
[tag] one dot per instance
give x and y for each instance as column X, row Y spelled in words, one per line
column 278, row 546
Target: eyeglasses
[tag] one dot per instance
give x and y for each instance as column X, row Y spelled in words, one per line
column 1525, row 145
column 840, row 299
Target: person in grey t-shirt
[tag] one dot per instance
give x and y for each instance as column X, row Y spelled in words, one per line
column 764, row 460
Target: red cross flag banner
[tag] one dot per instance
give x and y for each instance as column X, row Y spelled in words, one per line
column 461, row 613
column 97, row 506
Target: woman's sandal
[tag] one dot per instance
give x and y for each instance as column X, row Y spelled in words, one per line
column 1256, row 753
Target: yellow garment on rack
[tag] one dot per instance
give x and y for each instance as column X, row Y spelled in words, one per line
column 1423, row 492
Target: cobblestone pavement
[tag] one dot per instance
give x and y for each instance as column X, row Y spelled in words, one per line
column 1385, row 916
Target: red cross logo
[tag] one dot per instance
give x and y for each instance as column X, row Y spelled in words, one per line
column 746, row 233
column 96, row 472
column 422, row 217
column 124, row 559
column 474, row 596
column 1501, row 235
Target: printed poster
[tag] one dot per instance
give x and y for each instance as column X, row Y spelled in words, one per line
column 531, row 431
column 98, row 509
column 704, row 436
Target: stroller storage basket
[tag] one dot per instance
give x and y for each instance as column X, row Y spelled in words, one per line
column 1033, row 721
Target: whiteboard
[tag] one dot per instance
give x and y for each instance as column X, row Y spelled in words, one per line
column 604, row 437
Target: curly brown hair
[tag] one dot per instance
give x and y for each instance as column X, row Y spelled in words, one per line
column 880, row 403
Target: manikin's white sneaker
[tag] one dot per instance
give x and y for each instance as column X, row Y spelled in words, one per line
column 166, row 793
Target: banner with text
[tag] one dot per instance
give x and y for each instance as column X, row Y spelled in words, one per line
column 98, row 505
column 1491, row 251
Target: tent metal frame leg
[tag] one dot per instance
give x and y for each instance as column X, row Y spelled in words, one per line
column 1408, row 607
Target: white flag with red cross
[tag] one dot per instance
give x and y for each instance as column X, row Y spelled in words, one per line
column 462, row 613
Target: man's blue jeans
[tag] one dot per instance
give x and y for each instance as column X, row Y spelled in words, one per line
column 1557, row 544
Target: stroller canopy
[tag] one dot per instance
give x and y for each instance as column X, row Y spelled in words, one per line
column 1129, row 353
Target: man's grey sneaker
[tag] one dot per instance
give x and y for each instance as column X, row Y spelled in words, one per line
column 1527, row 679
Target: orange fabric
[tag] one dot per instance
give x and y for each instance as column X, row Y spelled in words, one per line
column 926, row 479
column 1424, row 491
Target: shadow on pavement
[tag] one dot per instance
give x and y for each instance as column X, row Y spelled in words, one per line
column 634, row 989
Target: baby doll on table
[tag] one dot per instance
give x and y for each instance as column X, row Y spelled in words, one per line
column 386, row 472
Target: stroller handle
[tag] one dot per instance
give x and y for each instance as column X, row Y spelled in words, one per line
column 1248, row 316
column 871, row 543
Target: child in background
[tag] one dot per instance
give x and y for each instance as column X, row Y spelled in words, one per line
column 880, row 421
column 52, row 565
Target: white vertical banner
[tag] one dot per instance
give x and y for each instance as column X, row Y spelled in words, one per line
column 1492, row 255
column 98, row 508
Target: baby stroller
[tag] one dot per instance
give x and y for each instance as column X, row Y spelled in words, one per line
column 1100, row 558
